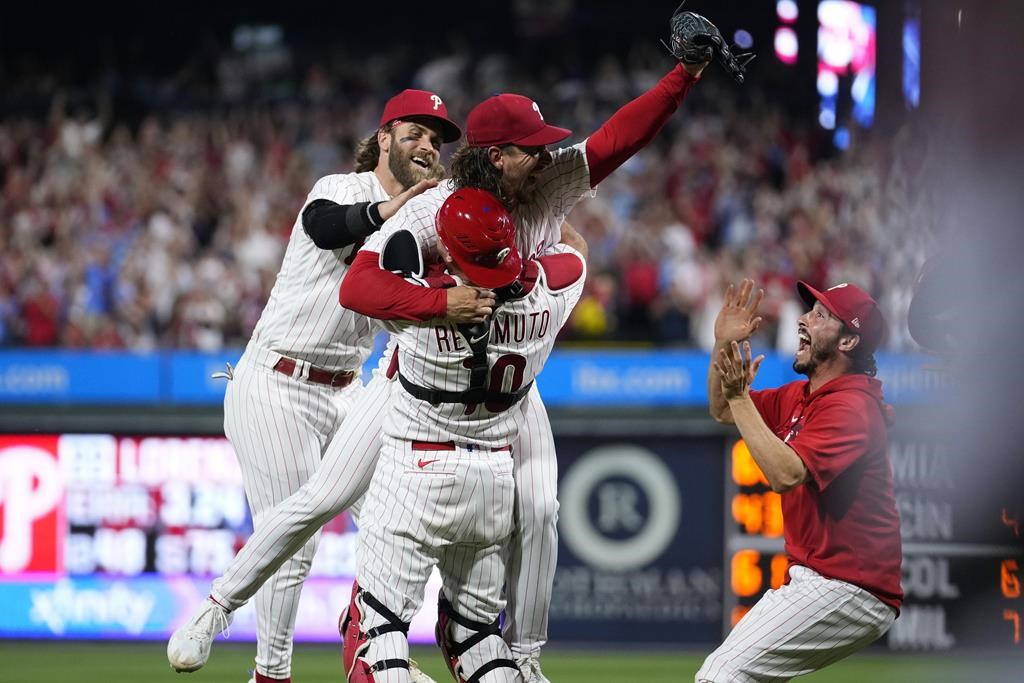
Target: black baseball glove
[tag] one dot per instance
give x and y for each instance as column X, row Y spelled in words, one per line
column 695, row 40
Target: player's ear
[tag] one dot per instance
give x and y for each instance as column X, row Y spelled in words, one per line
column 496, row 157
column 384, row 138
column 848, row 342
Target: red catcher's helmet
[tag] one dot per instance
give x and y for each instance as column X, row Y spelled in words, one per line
column 478, row 232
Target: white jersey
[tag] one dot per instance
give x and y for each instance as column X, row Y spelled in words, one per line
column 303, row 318
column 433, row 355
column 538, row 224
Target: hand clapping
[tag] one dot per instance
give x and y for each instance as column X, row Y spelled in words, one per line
column 736, row 370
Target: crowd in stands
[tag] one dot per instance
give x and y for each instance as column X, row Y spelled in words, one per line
column 166, row 228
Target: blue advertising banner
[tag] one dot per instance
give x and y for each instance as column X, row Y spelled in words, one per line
column 578, row 378
column 573, row 378
column 151, row 607
column 80, row 377
column 640, row 541
column 190, row 376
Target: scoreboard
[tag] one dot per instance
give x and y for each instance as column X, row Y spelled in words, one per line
column 962, row 556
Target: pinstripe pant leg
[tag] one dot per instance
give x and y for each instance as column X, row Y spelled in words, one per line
column 472, row 568
column 340, row 480
column 393, row 557
column 797, row 629
column 533, row 549
column 278, row 428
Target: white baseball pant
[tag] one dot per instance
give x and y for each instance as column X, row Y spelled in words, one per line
column 797, row 629
column 343, row 477
column 279, row 428
column 450, row 508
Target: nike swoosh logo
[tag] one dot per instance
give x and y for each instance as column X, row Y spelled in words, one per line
column 423, row 463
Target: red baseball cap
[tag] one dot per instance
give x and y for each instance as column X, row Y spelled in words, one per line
column 510, row 119
column 420, row 103
column 480, row 236
column 853, row 306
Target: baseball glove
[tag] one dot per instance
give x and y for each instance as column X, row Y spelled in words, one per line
column 695, row 40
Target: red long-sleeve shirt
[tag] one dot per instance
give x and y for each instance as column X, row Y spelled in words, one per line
column 377, row 293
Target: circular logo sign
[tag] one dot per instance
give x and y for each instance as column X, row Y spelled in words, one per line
column 639, row 537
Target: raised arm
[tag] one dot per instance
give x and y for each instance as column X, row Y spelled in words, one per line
column 635, row 124
column 736, row 370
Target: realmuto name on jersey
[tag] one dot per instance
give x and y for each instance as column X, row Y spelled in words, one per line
column 510, row 328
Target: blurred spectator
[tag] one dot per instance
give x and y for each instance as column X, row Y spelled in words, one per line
column 166, row 228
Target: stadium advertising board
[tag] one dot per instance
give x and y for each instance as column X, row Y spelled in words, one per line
column 571, row 378
column 640, row 541
column 105, row 536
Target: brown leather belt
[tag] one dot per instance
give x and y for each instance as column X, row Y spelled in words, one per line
column 286, row 366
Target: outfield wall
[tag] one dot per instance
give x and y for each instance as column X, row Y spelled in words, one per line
column 116, row 517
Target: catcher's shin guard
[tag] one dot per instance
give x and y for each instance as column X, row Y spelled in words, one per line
column 469, row 659
column 357, row 641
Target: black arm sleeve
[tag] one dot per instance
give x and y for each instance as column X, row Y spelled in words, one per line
column 333, row 226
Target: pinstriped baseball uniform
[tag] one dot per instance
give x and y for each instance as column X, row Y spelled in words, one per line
column 534, row 548
column 429, row 505
column 279, row 426
column 348, row 462
column 797, row 629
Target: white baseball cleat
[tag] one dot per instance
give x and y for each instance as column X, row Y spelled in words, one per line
column 189, row 646
column 530, row 668
column 417, row 676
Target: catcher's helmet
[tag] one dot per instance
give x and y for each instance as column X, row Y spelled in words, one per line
column 480, row 236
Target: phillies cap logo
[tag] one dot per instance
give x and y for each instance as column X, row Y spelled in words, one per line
column 839, row 286
column 437, row 101
column 502, row 255
column 536, row 108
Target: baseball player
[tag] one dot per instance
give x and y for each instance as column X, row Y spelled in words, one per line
column 823, row 444
column 507, row 155
column 443, row 491
column 298, row 376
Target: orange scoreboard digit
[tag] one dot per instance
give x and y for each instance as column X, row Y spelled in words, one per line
column 754, row 558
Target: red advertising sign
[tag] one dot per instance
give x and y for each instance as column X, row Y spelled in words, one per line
column 31, row 505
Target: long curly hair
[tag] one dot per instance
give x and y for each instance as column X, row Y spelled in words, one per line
column 862, row 361
column 470, row 167
column 367, row 153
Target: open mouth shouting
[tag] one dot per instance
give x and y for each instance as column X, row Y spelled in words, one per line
column 805, row 339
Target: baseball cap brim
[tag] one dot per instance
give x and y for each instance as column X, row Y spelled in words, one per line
column 492, row 277
column 548, row 135
column 449, row 131
column 810, row 295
